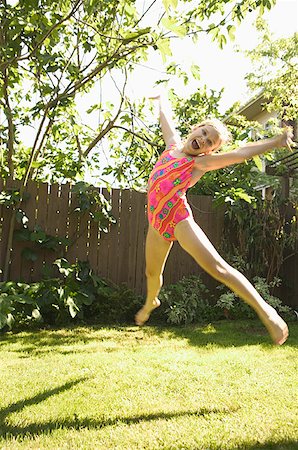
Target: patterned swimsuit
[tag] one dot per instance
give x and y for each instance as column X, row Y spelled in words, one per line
column 167, row 186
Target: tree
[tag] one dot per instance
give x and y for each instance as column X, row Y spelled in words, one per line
column 52, row 52
column 279, row 84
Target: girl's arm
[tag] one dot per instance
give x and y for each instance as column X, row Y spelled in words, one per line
column 219, row 160
column 169, row 132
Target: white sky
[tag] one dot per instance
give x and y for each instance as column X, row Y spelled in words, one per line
column 220, row 68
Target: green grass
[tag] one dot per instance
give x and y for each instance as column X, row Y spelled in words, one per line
column 221, row 386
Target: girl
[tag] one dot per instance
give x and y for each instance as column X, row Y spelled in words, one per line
column 179, row 167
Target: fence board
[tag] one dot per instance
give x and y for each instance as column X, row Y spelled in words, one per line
column 3, row 215
column 109, row 243
column 94, row 246
column 125, row 244
column 15, row 254
column 73, row 230
column 140, row 238
column 109, row 247
column 30, row 270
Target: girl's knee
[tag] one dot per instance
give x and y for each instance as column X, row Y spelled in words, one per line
column 152, row 273
column 222, row 271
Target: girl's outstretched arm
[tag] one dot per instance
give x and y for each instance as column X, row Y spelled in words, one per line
column 219, row 160
column 169, row 132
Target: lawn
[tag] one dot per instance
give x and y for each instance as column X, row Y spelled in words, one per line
column 219, row 386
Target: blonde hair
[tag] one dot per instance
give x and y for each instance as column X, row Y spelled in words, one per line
column 223, row 132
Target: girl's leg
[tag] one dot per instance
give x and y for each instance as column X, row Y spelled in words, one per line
column 192, row 239
column 157, row 250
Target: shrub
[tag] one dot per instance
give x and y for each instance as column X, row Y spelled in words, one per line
column 78, row 294
column 113, row 303
column 235, row 308
column 187, row 302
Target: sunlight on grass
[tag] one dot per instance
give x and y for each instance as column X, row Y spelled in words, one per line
column 209, row 329
column 220, row 386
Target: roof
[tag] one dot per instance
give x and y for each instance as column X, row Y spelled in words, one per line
column 286, row 166
column 253, row 107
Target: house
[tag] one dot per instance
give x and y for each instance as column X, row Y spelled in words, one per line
column 256, row 110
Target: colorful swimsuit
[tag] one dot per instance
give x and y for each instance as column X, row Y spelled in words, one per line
column 167, row 186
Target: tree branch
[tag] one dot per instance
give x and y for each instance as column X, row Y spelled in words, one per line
column 47, row 34
column 109, row 126
column 71, row 90
column 153, row 144
column 8, row 113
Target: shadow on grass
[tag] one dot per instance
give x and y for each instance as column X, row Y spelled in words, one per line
column 48, row 337
column 8, row 431
column 221, row 334
column 225, row 334
column 18, row 406
column 282, row 445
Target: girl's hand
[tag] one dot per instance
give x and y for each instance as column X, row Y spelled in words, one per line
column 285, row 139
column 155, row 97
column 157, row 93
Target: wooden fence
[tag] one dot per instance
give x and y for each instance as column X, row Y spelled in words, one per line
column 117, row 255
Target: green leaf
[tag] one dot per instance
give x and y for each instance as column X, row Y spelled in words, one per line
column 36, row 164
column 73, row 308
column 134, row 35
column 29, row 254
column 244, row 196
column 172, row 25
column 21, row 217
column 258, row 162
column 222, row 40
column 10, row 320
column 195, row 71
column 64, row 266
column 36, row 314
column 164, row 48
column 38, row 236
column 3, row 320
column 231, row 32
column 22, row 235
column 170, row 3
column 130, row 10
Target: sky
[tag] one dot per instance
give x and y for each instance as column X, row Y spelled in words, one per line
column 219, row 68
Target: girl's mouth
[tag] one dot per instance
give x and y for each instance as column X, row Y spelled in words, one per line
column 195, row 144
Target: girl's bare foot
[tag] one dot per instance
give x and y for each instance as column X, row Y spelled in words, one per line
column 144, row 313
column 277, row 327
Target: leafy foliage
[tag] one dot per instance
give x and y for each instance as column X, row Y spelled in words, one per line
column 53, row 54
column 186, row 302
column 77, row 294
column 234, row 308
column 262, row 233
column 92, row 202
column 279, row 84
column 41, row 239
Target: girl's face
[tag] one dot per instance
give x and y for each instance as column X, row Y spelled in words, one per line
column 203, row 139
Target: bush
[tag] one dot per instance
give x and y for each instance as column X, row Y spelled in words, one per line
column 113, row 304
column 78, row 294
column 187, row 302
column 235, row 308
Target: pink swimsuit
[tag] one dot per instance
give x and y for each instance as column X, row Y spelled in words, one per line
column 167, row 186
